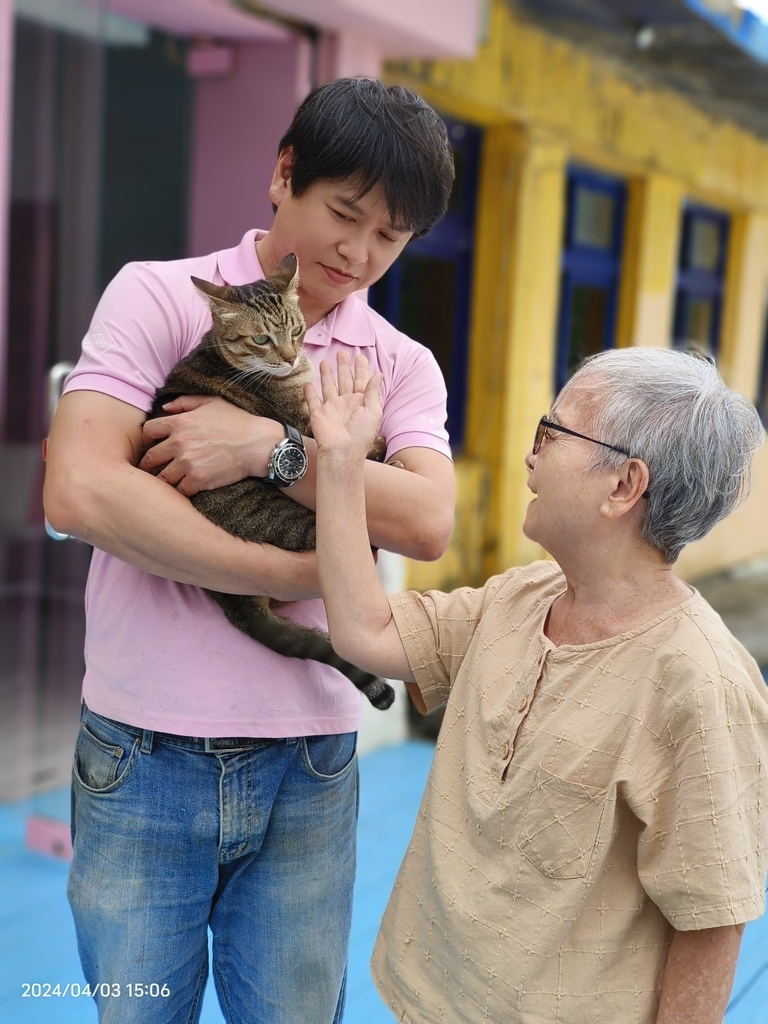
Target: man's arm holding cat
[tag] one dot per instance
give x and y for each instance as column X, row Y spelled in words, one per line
column 94, row 491
column 214, row 443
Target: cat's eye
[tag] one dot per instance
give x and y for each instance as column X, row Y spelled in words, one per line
column 261, row 339
column 296, row 331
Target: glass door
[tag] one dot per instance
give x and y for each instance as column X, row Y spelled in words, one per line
column 55, row 167
column 100, row 163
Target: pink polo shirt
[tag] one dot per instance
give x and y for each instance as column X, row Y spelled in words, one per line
column 160, row 655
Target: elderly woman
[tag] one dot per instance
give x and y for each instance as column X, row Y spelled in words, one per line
column 594, row 830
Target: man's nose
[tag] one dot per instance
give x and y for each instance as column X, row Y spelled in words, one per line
column 353, row 248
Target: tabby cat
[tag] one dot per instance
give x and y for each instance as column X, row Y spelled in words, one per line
column 252, row 357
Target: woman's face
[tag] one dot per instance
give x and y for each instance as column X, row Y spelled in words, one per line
column 567, row 492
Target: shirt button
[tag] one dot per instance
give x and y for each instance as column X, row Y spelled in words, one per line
column 523, row 704
column 505, row 752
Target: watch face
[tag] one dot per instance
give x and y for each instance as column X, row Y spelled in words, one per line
column 290, row 462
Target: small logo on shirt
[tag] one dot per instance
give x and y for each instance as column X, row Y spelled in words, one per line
column 97, row 341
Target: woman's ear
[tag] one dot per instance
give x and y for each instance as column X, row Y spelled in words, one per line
column 631, row 486
column 280, row 186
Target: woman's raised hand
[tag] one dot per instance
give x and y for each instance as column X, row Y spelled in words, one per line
column 347, row 417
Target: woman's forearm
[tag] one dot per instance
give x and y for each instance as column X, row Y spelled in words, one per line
column 359, row 616
column 699, row 975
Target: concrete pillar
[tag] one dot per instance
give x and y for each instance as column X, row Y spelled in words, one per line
column 649, row 261
column 743, row 324
column 517, row 283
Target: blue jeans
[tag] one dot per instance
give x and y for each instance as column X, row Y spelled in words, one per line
column 257, row 843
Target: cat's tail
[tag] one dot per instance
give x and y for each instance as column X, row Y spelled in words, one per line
column 295, row 641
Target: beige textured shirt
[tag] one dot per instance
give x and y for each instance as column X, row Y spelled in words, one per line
column 582, row 800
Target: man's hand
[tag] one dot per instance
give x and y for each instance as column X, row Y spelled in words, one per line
column 206, row 443
column 346, row 420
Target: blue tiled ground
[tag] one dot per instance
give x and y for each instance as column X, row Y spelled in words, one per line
column 37, row 940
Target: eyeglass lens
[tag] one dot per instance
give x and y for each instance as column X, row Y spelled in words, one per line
column 541, row 433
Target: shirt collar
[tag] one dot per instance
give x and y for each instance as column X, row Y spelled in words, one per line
column 348, row 323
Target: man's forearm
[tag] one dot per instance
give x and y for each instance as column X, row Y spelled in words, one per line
column 144, row 522
column 699, row 975
column 406, row 512
column 209, row 442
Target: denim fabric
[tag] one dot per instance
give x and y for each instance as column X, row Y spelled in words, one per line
column 257, row 844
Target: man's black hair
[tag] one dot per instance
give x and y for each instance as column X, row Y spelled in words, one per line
column 360, row 128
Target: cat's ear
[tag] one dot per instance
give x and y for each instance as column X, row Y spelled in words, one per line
column 220, row 298
column 286, row 275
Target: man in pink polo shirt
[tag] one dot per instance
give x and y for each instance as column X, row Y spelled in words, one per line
column 215, row 782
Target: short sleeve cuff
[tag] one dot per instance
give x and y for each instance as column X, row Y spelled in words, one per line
column 733, row 912
column 420, row 643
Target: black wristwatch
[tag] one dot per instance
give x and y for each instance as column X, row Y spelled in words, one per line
column 288, row 461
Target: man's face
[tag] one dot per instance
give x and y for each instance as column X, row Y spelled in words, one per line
column 343, row 244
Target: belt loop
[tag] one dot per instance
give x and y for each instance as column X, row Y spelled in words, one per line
column 147, row 736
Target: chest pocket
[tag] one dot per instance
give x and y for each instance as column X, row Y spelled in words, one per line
column 561, row 824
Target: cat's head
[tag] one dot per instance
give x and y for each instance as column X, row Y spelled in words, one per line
column 258, row 327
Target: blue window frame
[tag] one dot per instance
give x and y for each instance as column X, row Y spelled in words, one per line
column 590, row 268
column 426, row 293
column 700, row 277
column 762, row 389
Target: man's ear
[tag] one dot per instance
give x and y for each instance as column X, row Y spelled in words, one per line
column 630, row 486
column 280, row 185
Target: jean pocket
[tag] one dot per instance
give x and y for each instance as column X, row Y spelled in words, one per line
column 561, row 825
column 101, row 763
column 329, row 757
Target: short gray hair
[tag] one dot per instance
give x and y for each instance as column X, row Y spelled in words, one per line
column 672, row 410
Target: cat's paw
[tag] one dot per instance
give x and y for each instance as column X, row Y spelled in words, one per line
column 378, row 449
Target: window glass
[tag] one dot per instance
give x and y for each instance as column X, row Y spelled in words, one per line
column 591, row 268
column 700, row 276
column 586, row 324
column 594, row 213
column 704, row 253
column 423, row 311
column 697, row 320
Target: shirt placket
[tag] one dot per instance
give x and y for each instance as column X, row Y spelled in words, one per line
column 518, row 713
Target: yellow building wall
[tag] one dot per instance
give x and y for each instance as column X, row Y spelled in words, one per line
column 544, row 103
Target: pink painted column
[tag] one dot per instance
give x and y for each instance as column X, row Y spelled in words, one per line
column 6, row 111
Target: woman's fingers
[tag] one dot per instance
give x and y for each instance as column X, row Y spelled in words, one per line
column 350, row 379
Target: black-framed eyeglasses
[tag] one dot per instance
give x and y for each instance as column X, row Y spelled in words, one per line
column 546, row 425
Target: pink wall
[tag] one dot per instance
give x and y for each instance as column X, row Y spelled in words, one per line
column 6, row 85
column 399, row 28
column 239, row 120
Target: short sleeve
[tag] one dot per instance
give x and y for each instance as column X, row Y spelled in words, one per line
column 415, row 405
column 436, row 630
column 702, row 852
column 148, row 318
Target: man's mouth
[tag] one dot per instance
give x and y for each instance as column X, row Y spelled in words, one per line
column 338, row 276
